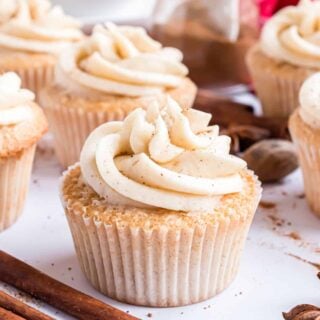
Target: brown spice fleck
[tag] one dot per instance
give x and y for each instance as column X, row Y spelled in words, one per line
column 293, row 235
column 149, row 315
column 301, row 196
column 316, row 265
column 267, row 205
column 276, row 220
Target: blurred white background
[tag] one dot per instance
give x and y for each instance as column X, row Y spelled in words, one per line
column 99, row 10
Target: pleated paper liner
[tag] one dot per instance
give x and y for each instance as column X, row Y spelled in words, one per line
column 277, row 85
column 14, row 184
column 307, row 141
column 34, row 78
column 166, row 266
column 72, row 126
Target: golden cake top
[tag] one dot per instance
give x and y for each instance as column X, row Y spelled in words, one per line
column 21, row 121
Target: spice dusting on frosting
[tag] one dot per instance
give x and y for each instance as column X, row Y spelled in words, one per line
column 122, row 60
column 163, row 157
column 14, row 101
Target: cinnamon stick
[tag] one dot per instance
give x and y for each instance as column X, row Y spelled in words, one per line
column 41, row 286
column 226, row 112
column 10, row 303
column 8, row 315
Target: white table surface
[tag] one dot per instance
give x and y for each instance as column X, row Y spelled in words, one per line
column 270, row 280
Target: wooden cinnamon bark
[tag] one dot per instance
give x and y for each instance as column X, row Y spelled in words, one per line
column 10, row 303
column 226, row 113
column 55, row 293
column 8, row 315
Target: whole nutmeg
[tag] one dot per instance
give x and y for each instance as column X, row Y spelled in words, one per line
column 303, row 312
column 271, row 159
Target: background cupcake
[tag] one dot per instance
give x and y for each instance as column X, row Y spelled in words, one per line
column 288, row 52
column 304, row 127
column 105, row 77
column 22, row 124
column 158, row 208
column 32, row 34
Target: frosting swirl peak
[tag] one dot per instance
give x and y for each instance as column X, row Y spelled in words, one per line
column 293, row 34
column 166, row 158
column 123, row 60
column 36, row 26
column 14, row 100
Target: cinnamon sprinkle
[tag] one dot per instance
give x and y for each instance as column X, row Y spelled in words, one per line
column 313, row 264
column 294, row 235
column 267, row 205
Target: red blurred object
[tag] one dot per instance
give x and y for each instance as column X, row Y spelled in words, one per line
column 269, row 7
column 284, row 3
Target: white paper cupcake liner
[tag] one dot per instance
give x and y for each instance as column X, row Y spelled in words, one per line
column 279, row 96
column 164, row 267
column 71, row 127
column 309, row 158
column 14, row 184
column 277, row 86
column 34, row 79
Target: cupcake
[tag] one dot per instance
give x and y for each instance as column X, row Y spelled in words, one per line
column 304, row 125
column 32, row 34
column 158, row 209
column 105, row 77
column 288, row 52
column 22, row 124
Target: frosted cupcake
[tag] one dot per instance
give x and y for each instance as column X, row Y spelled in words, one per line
column 304, row 127
column 22, row 124
column 158, row 208
column 288, row 52
column 105, row 77
column 32, row 34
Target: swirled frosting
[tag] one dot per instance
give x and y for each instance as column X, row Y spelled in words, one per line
column 122, row 60
column 166, row 158
column 36, row 26
column 293, row 35
column 14, row 101
column 310, row 101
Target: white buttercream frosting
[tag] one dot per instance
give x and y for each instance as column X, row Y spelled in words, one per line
column 36, row 26
column 310, row 101
column 293, row 35
column 14, row 101
column 166, row 158
column 122, row 60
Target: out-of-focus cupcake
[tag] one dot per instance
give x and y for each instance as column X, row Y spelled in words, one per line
column 105, row 77
column 158, row 208
column 304, row 125
column 32, row 34
column 288, row 52
column 22, row 124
